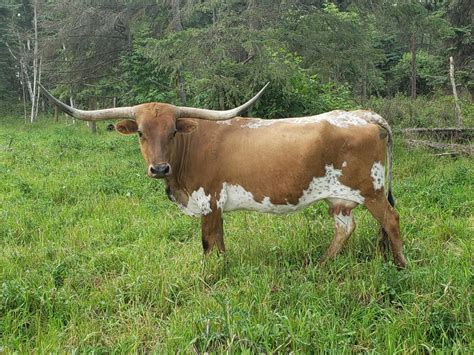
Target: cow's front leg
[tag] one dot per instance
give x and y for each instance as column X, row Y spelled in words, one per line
column 212, row 230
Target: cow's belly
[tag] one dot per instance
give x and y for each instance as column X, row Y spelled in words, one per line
column 235, row 197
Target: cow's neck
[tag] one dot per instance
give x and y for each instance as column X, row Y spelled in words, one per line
column 179, row 163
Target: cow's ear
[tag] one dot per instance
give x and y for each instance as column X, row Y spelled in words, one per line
column 127, row 127
column 184, row 125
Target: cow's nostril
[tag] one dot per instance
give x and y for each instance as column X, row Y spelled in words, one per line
column 160, row 170
column 153, row 170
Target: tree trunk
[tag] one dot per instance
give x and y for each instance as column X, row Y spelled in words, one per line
column 253, row 25
column 56, row 113
column 413, row 66
column 24, row 66
column 38, row 82
column 22, row 76
column 30, row 64
column 34, row 95
column 364, row 85
column 93, row 127
column 455, row 93
column 221, row 99
column 71, row 103
column 176, row 24
column 92, row 124
column 181, row 87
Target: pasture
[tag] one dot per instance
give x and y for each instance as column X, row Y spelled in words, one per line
column 94, row 257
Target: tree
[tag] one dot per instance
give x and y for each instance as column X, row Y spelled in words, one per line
column 85, row 40
column 9, row 86
column 23, row 46
column 461, row 44
column 215, row 53
column 413, row 22
column 339, row 45
column 431, row 72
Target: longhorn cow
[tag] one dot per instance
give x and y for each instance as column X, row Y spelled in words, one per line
column 214, row 162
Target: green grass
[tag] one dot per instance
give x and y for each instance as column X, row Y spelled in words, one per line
column 93, row 257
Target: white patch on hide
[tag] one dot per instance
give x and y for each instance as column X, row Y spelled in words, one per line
column 225, row 122
column 235, row 197
column 373, row 117
column 344, row 164
column 342, row 119
column 378, row 175
column 344, row 222
column 198, row 204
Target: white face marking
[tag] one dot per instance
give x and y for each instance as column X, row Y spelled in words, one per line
column 378, row 175
column 235, row 197
column 344, row 222
column 198, row 204
column 337, row 118
column 344, row 164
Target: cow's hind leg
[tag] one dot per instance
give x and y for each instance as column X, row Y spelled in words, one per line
column 384, row 243
column 212, row 231
column 344, row 225
column 385, row 214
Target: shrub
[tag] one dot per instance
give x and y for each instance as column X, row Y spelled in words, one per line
column 402, row 111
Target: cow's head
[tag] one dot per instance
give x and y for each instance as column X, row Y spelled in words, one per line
column 156, row 125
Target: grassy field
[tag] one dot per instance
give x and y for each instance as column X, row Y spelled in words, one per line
column 93, row 257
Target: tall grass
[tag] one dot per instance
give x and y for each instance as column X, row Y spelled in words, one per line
column 93, row 257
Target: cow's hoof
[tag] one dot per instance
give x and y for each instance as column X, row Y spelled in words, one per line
column 401, row 262
column 323, row 262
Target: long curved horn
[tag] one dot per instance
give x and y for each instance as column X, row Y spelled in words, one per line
column 93, row 115
column 218, row 115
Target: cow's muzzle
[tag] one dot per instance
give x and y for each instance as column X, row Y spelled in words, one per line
column 159, row 171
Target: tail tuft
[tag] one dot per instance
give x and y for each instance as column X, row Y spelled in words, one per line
column 390, row 198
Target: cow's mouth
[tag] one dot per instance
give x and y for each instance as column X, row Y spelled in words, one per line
column 158, row 176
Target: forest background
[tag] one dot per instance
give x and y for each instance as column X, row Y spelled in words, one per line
column 318, row 55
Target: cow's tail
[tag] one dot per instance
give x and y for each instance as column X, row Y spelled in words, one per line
column 384, row 240
column 378, row 120
column 390, row 198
